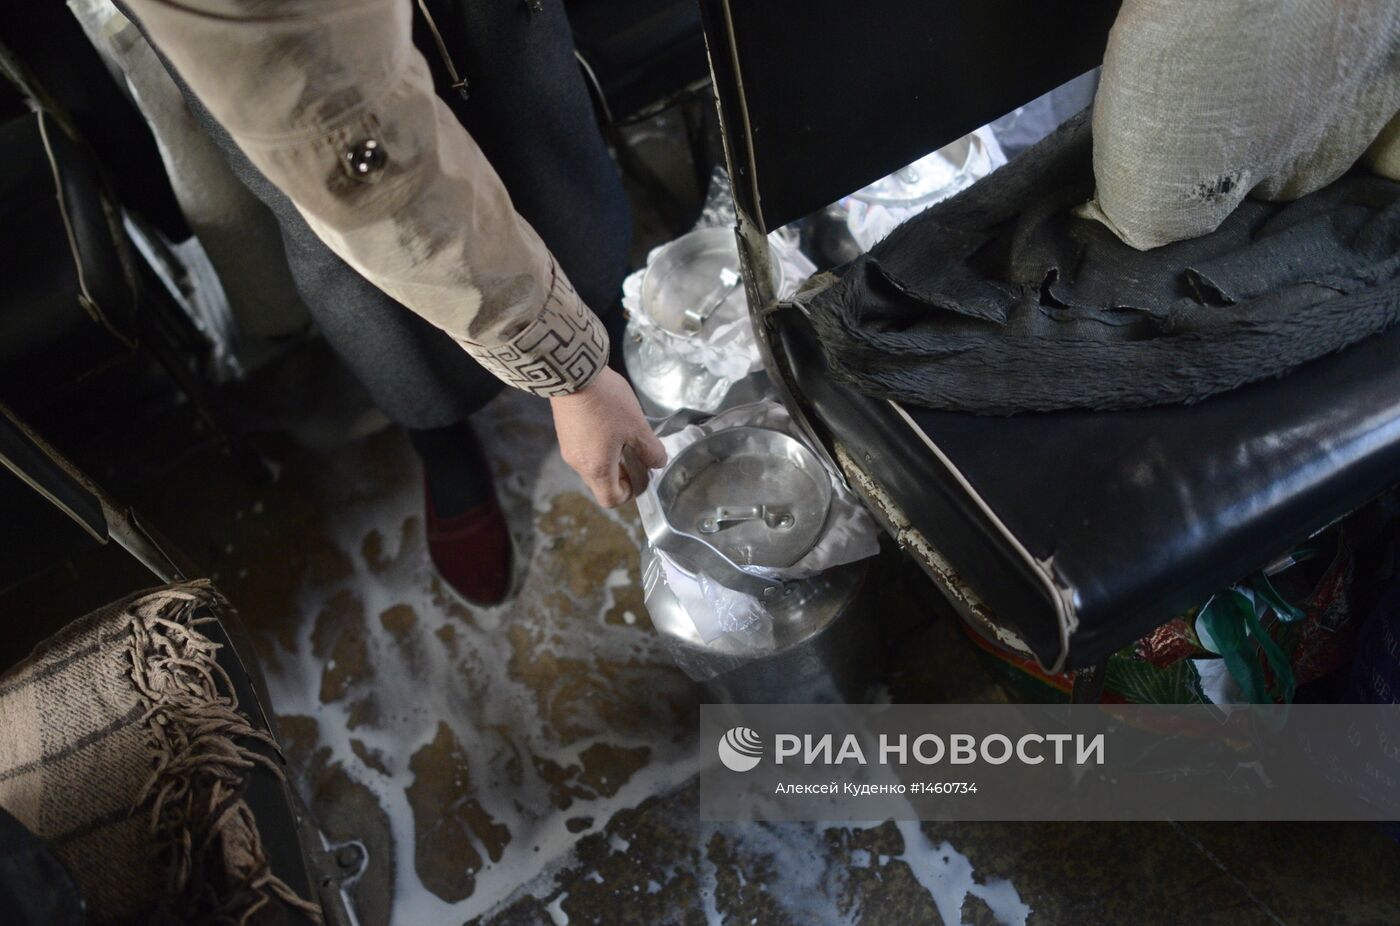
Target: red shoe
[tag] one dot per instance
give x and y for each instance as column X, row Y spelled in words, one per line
column 472, row 550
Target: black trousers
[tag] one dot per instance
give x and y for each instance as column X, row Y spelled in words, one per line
column 530, row 111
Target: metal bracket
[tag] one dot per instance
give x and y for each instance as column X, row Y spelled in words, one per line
column 350, row 859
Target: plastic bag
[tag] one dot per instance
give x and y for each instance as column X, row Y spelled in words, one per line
column 728, row 351
column 1257, row 641
column 869, row 219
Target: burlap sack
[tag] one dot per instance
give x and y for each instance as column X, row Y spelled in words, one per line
column 1203, row 102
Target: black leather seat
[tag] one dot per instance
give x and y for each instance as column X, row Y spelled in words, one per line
column 82, row 317
column 52, row 336
column 1081, row 531
column 54, row 53
column 1070, row 534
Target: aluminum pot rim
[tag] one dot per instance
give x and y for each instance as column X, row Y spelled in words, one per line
column 673, row 247
column 698, row 553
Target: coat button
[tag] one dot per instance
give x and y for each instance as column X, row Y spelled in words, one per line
column 366, row 159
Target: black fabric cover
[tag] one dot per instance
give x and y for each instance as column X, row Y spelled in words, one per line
column 1000, row 300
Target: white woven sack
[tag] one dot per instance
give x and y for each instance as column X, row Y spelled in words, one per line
column 1203, row 102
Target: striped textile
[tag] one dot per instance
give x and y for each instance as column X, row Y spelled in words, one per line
column 73, row 759
column 106, row 753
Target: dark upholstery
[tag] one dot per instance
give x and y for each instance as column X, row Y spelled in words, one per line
column 1078, row 531
column 47, row 335
column 47, row 40
column 640, row 52
column 1128, row 517
column 35, row 887
column 821, row 98
column 72, row 313
column 22, row 454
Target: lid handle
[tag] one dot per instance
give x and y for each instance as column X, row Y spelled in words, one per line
column 695, row 318
column 778, row 519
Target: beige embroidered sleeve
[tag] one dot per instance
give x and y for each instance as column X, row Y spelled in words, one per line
column 332, row 102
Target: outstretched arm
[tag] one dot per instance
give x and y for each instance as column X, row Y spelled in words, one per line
column 334, row 104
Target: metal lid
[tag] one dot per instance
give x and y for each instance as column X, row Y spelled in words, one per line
column 693, row 284
column 739, row 497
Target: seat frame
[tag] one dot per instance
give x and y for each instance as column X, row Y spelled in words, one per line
column 762, row 204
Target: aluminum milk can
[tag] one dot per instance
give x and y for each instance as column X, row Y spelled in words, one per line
column 684, row 347
column 754, row 497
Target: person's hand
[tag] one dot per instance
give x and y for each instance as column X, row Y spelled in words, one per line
column 606, row 439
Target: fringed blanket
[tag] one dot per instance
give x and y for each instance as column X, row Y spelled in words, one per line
column 123, row 745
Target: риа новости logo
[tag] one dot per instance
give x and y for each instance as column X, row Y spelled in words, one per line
column 740, row 749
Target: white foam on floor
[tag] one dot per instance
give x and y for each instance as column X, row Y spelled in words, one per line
column 947, row 875
column 809, row 880
column 556, row 911
column 497, row 721
column 474, row 693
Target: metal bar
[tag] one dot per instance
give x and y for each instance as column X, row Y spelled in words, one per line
column 47, row 470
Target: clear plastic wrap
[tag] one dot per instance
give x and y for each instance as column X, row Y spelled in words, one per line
column 875, row 211
column 699, row 371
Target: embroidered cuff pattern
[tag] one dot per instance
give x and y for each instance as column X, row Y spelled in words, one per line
column 563, row 350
